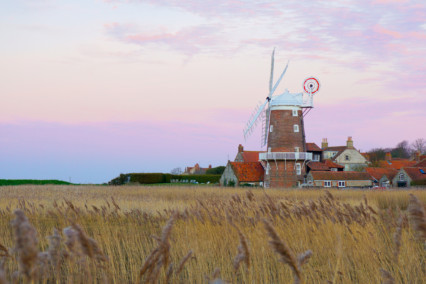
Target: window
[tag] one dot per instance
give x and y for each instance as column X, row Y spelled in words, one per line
column 294, row 112
column 333, row 169
column 271, row 128
column 401, row 177
column 342, row 183
column 296, row 149
column 316, row 157
column 327, row 183
column 298, row 169
column 346, row 157
column 269, row 149
column 296, row 128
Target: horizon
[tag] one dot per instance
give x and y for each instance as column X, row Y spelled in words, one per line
column 92, row 89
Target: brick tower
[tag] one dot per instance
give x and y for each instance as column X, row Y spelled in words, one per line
column 284, row 133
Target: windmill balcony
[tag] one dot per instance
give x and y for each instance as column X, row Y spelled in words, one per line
column 285, row 156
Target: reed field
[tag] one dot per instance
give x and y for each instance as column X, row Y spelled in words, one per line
column 141, row 234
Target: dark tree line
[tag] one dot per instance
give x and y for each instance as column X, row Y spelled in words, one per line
column 403, row 150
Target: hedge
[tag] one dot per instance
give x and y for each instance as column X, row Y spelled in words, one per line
column 151, row 178
column 4, row 182
column 419, row 182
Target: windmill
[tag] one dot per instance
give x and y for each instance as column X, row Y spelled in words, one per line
column 283, row 131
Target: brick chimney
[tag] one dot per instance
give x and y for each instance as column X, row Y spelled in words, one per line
column 324, row 143
column 210, row 166
column 240, row 148
column 388, row 156
column 350, row 143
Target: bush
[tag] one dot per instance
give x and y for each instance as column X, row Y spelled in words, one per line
column 216, row 171
column 419, row 182
column 31, row 181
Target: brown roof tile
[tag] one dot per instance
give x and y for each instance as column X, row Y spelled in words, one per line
column 378, row 173
column 318, row 166
column 251, row 156
column 422, row 163
column 329, row 175
column 331, row 164
column 312, row 147
column 415, row 173
column 248, row 171
column 396, row 164
column 336, row 148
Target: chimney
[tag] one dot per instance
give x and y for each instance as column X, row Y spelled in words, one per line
column 350, row 143
column 388, row 157
column 210, row 166
column 324, row 143
column 240, row 148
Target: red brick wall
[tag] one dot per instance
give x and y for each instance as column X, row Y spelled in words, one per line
column 283, row 138
column 283, row 174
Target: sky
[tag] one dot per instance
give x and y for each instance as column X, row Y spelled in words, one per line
column 90, row 89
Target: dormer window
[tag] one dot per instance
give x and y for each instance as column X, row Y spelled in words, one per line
column 296, row 128
column 294, row 112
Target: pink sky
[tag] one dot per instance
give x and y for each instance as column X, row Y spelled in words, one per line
column 92, row 89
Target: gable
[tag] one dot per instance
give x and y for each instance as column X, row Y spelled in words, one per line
column 351, row 156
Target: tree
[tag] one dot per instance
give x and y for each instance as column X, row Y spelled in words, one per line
column 402, row 150
column 216, row 171
column 176, row 171
column 375, row 155
column 419, row 145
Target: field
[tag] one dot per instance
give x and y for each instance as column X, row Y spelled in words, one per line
column 132, row 234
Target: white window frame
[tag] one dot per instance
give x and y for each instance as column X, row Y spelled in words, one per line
column 296, row 128
column 341, row 183
column 327, row 183
column 271, row 128
column 295, row 112
column 401, row 177
column 298, row 169
column 316, row 157
column 296, row 149
column 269, row 149
column 333, row 169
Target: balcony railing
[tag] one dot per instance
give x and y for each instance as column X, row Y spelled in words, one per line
column 285, row 156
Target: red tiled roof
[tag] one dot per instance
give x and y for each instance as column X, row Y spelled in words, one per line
column 318, row 166
column 251, row 156
column 329, row 175
column 415, row 173
column 378, row 173
column 248, row 171
column 422, row 163
column 397, row 164
column 331, row 164
column 312, row 147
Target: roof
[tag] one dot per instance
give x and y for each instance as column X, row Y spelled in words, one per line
column 336, row 148
column 378, row 173
column 422, row 163
column 331, row 164
column 329, row 175
column 248, row 171
column 251, row 156
column 312, row 147
column 415, row 173
column 318, row 166
column 396, row 164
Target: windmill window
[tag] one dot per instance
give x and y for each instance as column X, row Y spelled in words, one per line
column 271, row 128
column 296, row 128
column 298, row 169
column 296, row 149
column 294, row 112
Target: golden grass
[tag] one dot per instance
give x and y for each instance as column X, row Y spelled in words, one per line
column 134, row 234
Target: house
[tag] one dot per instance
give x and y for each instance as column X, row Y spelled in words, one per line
column 407, row 175
column 240, row 173
column 315, row 150
column 327, row 165
column 196, row 170
column 339, row 179
column 382, row 176
column 347, row 156
column 247, row 156
column 395, row 163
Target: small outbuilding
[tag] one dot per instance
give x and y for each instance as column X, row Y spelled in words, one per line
column 339, row 179
column 406, row 176
column 243, row 173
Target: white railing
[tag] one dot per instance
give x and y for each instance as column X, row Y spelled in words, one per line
column 285, row 156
